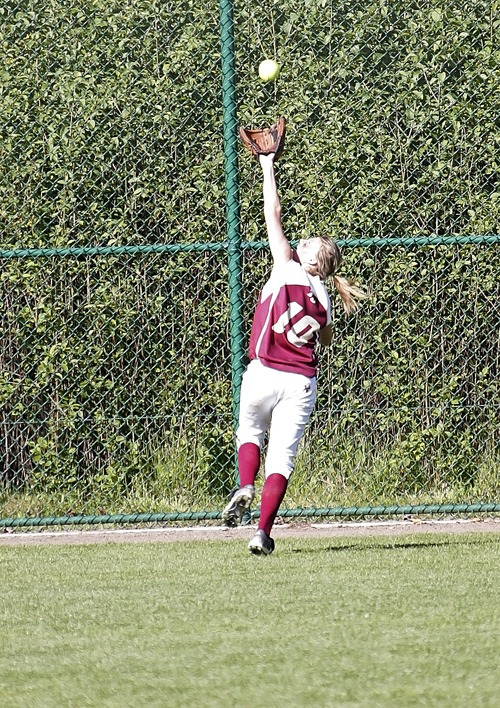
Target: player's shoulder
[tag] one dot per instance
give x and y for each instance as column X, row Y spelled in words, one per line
column 284, row 268
column 294, row 265
column 320, row 291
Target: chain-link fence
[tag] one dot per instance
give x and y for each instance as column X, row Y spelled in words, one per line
column 133, row 249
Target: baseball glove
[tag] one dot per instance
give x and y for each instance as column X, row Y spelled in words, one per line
column 263, row 141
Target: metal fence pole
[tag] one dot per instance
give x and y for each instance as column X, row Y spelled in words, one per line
column 232, row 198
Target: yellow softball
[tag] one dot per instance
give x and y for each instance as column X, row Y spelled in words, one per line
column 269, row 70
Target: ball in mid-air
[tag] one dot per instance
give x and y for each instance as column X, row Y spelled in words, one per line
column 269, row 70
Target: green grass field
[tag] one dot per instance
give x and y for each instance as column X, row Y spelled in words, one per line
column 403, row 621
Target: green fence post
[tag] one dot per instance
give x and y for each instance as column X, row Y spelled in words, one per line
column 232, row 199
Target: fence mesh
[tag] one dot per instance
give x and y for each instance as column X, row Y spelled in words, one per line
column 115, row 386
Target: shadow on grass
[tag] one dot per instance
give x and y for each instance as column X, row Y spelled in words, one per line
column 402, row 545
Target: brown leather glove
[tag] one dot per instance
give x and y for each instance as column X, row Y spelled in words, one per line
column 264, row 141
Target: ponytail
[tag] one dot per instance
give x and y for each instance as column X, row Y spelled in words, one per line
column 349, row 293
column 328, row 262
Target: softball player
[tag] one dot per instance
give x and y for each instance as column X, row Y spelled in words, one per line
column 278, row 391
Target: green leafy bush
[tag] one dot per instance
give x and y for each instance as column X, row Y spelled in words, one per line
column 115, row 384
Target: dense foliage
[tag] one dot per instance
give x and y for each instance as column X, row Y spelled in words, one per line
column 115, row 369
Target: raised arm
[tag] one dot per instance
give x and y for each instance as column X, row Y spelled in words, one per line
column 280, row 248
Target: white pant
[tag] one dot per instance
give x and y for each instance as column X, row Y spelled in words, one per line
column 277, row 401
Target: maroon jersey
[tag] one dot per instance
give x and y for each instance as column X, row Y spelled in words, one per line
column 292, row 308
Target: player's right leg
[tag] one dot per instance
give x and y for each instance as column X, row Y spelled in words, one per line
column 261, row 544
column 290, row 417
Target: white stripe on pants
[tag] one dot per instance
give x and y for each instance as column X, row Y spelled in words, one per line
column 280, row 402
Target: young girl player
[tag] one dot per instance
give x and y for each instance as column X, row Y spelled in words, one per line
column 278, row 388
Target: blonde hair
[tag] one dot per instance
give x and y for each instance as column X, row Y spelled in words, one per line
column 328, row 262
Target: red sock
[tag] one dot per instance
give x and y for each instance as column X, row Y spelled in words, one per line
column 248, row 463
column 273, row 492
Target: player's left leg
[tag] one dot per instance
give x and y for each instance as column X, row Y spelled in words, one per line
column 258, row 397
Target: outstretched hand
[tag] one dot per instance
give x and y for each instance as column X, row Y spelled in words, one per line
column 280, row 248
column 267, row 159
